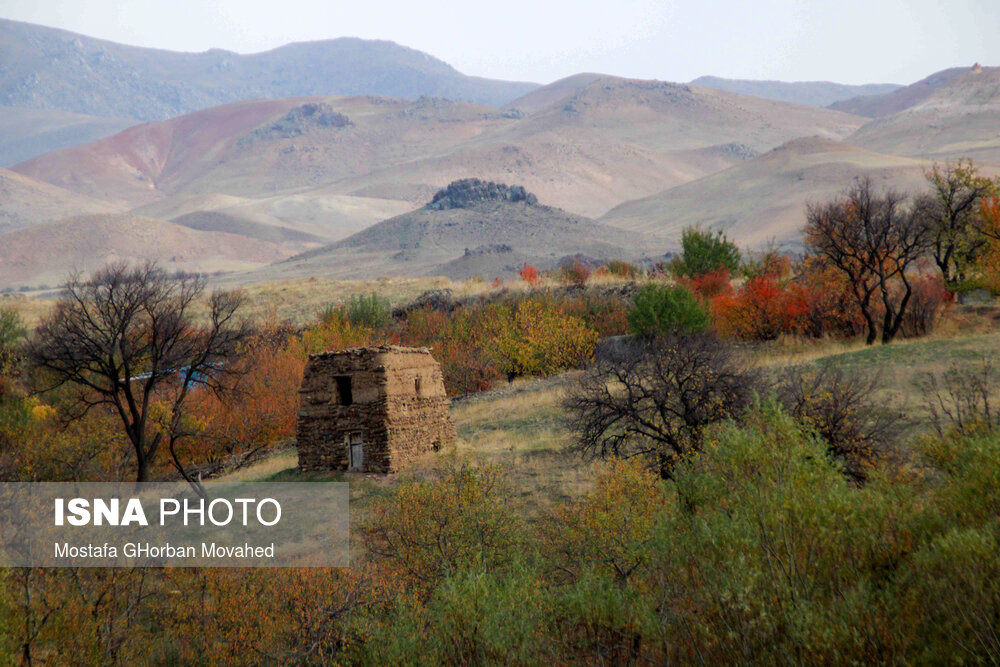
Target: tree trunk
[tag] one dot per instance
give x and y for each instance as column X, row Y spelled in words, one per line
column 142, row 473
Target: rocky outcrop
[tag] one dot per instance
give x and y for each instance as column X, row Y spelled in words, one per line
column 298, row 121
column 471, row 191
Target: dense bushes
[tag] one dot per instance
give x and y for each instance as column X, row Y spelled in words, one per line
column 704, row 252
column 762, row 309
column 660, row 311
column 812, row 300
column 531, row 335
column 757, row 550
column 531, row 338
column 428, row 531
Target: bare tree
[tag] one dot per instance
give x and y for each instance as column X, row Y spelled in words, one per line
column 962, row 399
column 127, row 337
column 653, row 398
column 873, row 240
column 953, row 213
column 844, row 408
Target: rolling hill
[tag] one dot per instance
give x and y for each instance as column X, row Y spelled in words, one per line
column 25, row 202
column 25, row 133
column 486, row 237
column 590, row 145
column 958, row 117
column 892, row 102
column 46, row 253
column 765, row 198
column 811, row 93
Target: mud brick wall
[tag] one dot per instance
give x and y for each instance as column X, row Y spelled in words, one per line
column 398, row 408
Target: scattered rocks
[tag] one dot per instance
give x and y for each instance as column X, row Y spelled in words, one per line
column 298, row 121
column 492, row 249
column 741, row 151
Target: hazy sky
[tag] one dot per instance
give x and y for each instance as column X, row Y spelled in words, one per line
column 850, row 41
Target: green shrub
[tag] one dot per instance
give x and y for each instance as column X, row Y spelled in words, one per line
column 704, row 252
column 426, row 531
column 474, row 618
column 662, row 310
column 370, row 310
column 773, row 557
column 12, row 333
column 956, row 582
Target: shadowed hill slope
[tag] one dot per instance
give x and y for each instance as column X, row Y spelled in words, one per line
column 25, row 133
column 886, row 104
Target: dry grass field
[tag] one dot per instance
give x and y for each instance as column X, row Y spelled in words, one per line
column 521, row 427
column 30, row 309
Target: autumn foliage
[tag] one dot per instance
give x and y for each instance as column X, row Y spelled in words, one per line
column 529, row 274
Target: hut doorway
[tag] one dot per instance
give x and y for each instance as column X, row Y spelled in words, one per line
column 356, row 451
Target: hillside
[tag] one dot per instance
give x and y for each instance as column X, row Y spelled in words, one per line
column 25, row 202
column 593, row 142
column 147, row 162
column 886, row 104
column 45, row 253
column 766, row 198
column 810, row 93
column 25, row 133
column 314, row 214
column 486, row 236
column 958, row 117
column 45, row 68
column 588, row 147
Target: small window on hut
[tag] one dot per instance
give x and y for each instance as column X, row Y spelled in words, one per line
column 344, row 395
column 416, row 386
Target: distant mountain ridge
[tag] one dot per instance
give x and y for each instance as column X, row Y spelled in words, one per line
column 46, row 68
column 60, row 89
column 809, row 93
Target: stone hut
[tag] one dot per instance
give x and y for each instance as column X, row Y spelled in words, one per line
column 371, row 409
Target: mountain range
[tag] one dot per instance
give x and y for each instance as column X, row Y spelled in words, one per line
column 258, row 161
column 45, row 69
column 812, row 93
